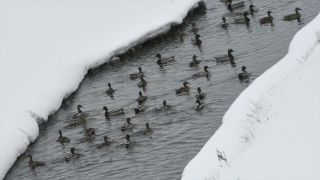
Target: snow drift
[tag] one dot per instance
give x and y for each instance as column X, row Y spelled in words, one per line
column 46, row 48
column 271, row 131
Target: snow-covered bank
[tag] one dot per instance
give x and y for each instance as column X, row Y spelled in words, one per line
column 272, row 130
column 46, row 48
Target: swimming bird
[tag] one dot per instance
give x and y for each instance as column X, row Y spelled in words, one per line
column 268, row 19
column 110, row 90
column 141, row 98
column 250, row 11
column 128, row 143
column 79, row 112
column 224, row 24
column 113, row 112
column 105, row 143
column 73, row 155
column 228, row 57
column 181, row 34
column 62, row 139
column 194, row 61
column 34, row 164
column 196, row 40
column 204, row 73
column 198, row 105
column 127, row 125
column 136, row 74
column 194, row 28
column 142, row 83
column 163, row 60
column 162, row 107
column 244, row 20
column 244, row 74
column 89, row 135
column 296, row 16
column 147, row 130
column 78, row 122
column 185, row 88
column 231, row 6
column 200, row 94
column 139, row 108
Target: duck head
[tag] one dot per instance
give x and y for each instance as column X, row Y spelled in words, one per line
column 105, row 108
column 158, row 56
column 224, row 19
column 140, row 93
column 194, row 57
column 185, row 83
column 79, row 106
column 245, row 14
column 128, row 137
column 109, row 85
column 229, row 51
column 199, row 90
column 128, row 120
column 164, row 103
column 197, row 36
column 269, row 12
column 198, row 101
column 251, row 9
column 60, row 132
column 297, row 9
column 140, row 70
column 205, row 68
column 244, row 68
column 72, row 150
column 105, row 138
column 230, row 1
column 147, row 125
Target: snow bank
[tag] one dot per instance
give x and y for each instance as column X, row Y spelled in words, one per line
column 271, row 131
column 46, row 48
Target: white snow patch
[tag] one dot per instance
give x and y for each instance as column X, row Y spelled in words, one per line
column 271, row 131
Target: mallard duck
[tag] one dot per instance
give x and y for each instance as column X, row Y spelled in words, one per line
column 136, row 74
column 200, row 94
column 105, row 143
column 196, row 40
column 231, row 6
column 228, row 57
column 162, row 107
column 78, row 122
column 243, row 74
column 194, row 61
column 244, row 20
column 127, row 125
column 185, row 88
column 141, row 98
column 198, row 105
column 79, row 112
column 204, row 73
column 113, row 112
column 250, row 11
column 142, row 83
column 268, row 19
column 291, row 17
column 62, row 139
column 181, row 34
column 163, row 60
column 34, row 164
column 128, row 143
column 194, row 28
column 110, row 90
column 139, row 108
column 73, row 155
column 148, row 129
column 224, row 24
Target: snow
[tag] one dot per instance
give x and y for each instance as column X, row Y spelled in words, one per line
column 271, row 131
column 46, row 48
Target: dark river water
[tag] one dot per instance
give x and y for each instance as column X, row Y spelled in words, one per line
column 179, row 132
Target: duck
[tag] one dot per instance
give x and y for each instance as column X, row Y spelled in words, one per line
column 194, row 61
column 110, row 90
column 181, row 34
column 164, row 60
column 90, row 131
column 204, row 73
column 250, row 11
column 231, row 6
column 196, row 40
column 62, row 139
column 127, row 125
column 194, row 28
column 224, row 24
column 139, row 108
column 89, row 135
column 200, row 94
column 185, row 88
column 291, row 17
column 268, row 19
column 142, row 83
column 113, row 112
column 162, row 107
column 137, row 74
column 198, row 105
column 244, row 20
column 147, row 130
column 244, row 74
column 32, row 163
column 78, row 122
column 141, row 98
column 228, row 57
column 79, row 112
column 128, row 143
column 73, row 155
column 105, row 143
